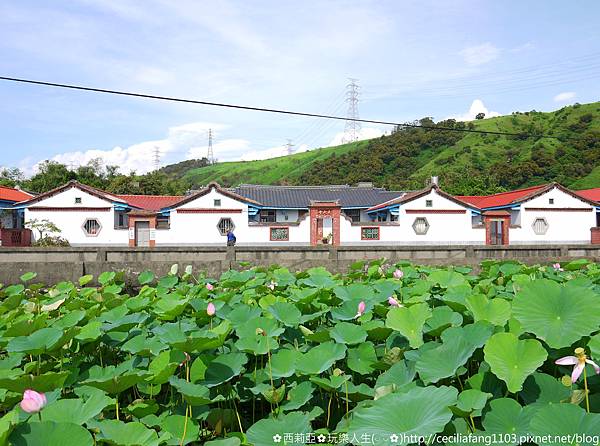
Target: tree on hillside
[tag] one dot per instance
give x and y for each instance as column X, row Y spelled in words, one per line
column 11, row 177
column 480, row 115
column 50, row 175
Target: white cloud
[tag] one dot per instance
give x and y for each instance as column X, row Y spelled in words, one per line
column 564, row 96
column 477, row 106
column 480, row 54
column 365, row 133
column 139, row 157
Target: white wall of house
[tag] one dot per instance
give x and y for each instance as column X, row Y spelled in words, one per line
column 563, row 226
column 201, row 228
column 443, row 228
column 71, row 222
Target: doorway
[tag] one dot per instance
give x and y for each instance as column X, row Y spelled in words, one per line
column 325, row 222
column 142, row 233
column 496, row 232
column 497, row 224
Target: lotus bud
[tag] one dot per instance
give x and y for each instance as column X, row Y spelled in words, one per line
column 557, row 267
column 188, row 269
column 338, row 372
column 210, row 309
column 398, row 274
column 174, row 269
column 361, row 309
column 272, row 285
column 210, row 287
column 393, row 302
column 306, row 331
column 33, row 401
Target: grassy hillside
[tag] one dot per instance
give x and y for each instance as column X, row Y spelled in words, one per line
column 281, row 170
column 467, row 163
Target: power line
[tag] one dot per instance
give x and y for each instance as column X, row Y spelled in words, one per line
column 289, row 147
column 352, row 128
column 210, row 155
column 268, row 110
column 156, row 158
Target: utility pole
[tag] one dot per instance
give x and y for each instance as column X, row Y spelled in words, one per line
column 210, row 156
column 156, row 158
column 289, row 147
column 352, row 128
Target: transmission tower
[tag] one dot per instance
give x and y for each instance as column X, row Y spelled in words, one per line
column 289, row 147
column 352, row 128
column 156, row 158
column 210, row 155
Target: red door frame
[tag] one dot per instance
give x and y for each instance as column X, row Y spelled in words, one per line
column 500, row 215
column 319, row 210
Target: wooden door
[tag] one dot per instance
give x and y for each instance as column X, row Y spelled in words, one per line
column 497, row 232
column 142, row 233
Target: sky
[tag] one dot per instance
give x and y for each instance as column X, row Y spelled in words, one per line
column 412, row 59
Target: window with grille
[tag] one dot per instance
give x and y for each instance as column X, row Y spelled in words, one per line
column 225, row 225
column 163, row 221
column 280, row 234
column 428, row 203
column 550, row 200
column 121, row 220
column 369, row 233
column 91, row 227
column 420, row 225
column 353, row 214
column 217, row 203
column 77, row 200
column 268, row 216
column 540, row 226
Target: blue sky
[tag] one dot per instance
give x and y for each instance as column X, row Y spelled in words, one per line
column 412, row 59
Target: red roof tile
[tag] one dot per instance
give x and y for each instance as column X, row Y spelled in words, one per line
column 16, row 195
column 502, row 198
column 590, row 194
column 151, row 202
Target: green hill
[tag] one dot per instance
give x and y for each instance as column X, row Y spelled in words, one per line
column 467, row 163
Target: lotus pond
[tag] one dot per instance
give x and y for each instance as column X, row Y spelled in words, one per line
column 386, row 354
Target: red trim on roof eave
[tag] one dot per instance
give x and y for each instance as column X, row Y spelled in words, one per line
column 68, row 209
column 208, row 211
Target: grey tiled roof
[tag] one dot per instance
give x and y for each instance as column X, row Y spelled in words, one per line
column 301, row 196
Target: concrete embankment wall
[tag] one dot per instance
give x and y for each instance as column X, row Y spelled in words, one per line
column 57, row 264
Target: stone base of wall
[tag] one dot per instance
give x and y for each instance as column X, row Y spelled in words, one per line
column 58, row 264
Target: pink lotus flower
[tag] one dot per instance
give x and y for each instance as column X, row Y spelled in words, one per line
column 210, row 309
column 393, row 302
column 398, row 274
column 579, row 361
column 272, row 285
column 557, row 267
column 210, row 287
column 33, row 401
column 361, row 309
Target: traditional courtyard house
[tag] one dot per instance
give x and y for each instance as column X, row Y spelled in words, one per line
column 84, row 215
column 429, row 216
column 549, row 213
column 313, row 214
column 12, row 232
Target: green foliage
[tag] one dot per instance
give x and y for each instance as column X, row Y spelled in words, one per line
column 466, row 353
column 467, row 163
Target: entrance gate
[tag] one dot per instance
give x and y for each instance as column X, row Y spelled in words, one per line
column 324, row 222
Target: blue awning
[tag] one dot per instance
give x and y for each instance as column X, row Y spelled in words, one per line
column 253, row 210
